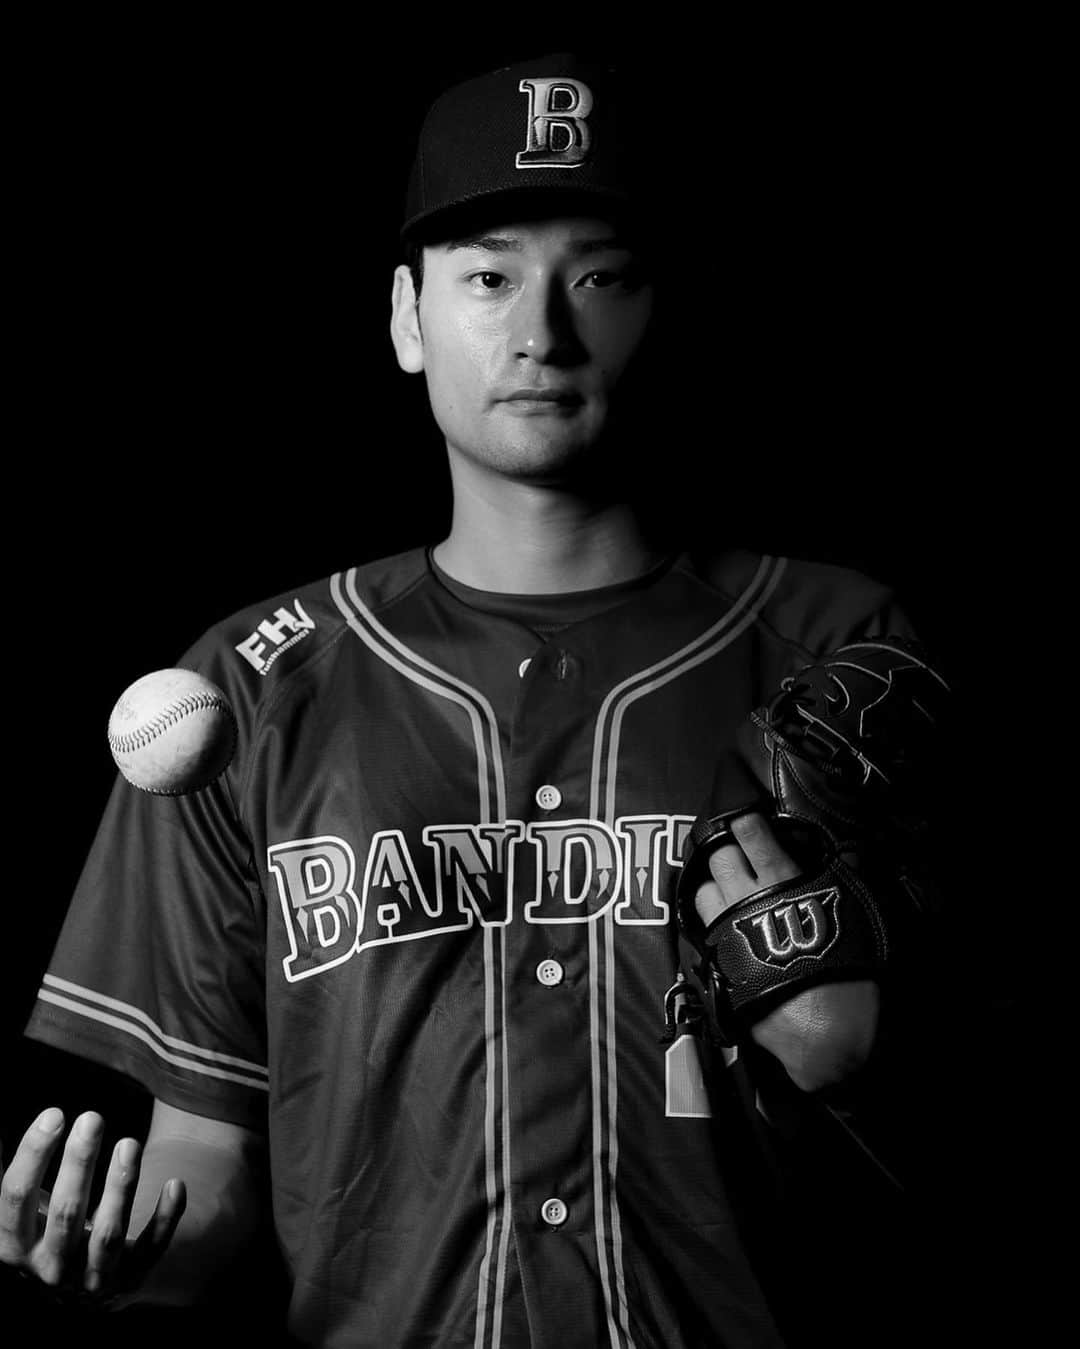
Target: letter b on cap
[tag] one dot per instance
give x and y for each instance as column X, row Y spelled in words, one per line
column 558, row 137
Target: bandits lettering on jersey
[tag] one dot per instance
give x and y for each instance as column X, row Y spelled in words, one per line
column 272, row 638
column 566, row 871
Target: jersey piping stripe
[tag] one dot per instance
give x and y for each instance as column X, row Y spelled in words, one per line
column 128, row 1010
column 613, row 1115
column 489, row 1141
column 689, row 657
column 703, row 647
column 500, row 1275
column 490, row 779
column 107, row 1019
column 444, row 684
column 504, row 1238
column 708, row 644
column 614, row 1337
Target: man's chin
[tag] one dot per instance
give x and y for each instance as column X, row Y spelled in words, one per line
column 569, row 463
column 539, row 454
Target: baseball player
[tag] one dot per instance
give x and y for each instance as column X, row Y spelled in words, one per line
column 414, row 954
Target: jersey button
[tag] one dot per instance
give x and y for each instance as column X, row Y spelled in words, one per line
column 553, row 1212
column 548, row 797
column 549, row 973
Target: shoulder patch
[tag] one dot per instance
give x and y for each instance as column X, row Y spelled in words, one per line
column 274, row 635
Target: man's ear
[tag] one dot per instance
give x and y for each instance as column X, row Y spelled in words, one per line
column 405, row 323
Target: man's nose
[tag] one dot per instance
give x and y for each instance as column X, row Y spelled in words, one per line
column 543, row 328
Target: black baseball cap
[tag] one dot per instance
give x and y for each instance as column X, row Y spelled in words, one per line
column 513, row 139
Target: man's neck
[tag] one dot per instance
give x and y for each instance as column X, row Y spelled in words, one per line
column 522, row 539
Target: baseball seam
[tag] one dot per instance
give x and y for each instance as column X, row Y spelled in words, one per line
column 144, row 735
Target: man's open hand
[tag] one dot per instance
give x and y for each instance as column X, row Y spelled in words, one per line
column 47, row 1237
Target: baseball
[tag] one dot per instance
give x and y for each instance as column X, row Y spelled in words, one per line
column 172, row 732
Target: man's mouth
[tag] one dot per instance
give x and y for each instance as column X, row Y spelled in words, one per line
column 543, row 400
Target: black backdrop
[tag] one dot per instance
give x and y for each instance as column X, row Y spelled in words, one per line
column 208, row 408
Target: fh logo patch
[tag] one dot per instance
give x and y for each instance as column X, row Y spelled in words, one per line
column 274, row 636
column 807, row 927
column 557, row 134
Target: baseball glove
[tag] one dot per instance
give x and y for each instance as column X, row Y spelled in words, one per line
column 838, row 762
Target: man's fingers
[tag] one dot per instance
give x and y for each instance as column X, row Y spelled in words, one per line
column 762, row 850
column 154, row 1239
column 731, row 872
column 108, row 1232
column 709, row 902
column 21, row 1185
column 731, row 881
column 70, row 1199
column 740, row 869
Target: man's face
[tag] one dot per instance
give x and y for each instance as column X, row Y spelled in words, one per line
column 528, row 331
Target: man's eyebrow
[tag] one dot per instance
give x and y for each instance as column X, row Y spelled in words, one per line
column 511, row 243
column 581, row 248
column 490, row 243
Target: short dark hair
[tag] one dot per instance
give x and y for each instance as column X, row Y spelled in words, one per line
column 414, row 260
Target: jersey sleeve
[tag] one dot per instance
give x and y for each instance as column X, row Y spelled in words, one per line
column 158, row 970
column 804, row 609
column 821, row 607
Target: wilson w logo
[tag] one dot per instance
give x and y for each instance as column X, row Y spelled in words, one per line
column 803, row 927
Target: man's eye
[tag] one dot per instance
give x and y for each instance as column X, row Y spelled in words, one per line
column 599, row 280
column 487, row 280
column 629, row 278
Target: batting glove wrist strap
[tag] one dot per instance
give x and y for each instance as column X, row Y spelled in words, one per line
column 820, row 927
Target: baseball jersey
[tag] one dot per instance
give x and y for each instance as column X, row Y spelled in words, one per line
column 421, row 933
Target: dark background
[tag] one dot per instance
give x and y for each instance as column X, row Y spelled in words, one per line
column 208, row 410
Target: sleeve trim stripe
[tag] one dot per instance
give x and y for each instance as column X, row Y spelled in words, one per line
column 140, row 1034
column 126, row 1010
